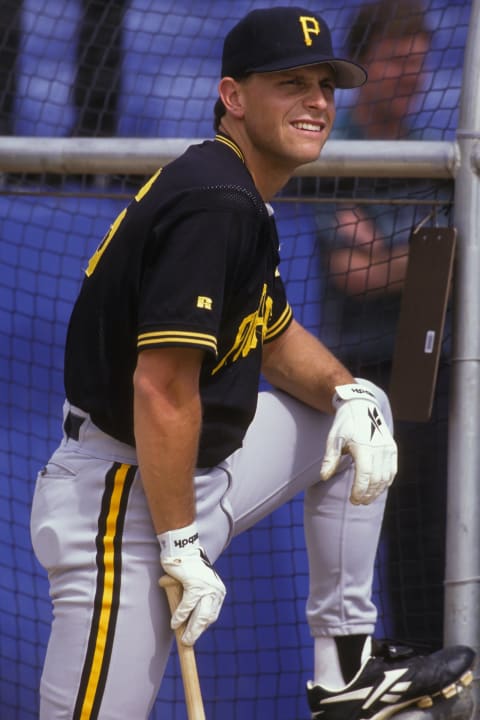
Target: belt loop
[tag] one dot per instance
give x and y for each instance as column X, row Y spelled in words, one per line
column 72, row 425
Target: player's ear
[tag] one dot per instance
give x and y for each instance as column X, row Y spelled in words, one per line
column 231, row 95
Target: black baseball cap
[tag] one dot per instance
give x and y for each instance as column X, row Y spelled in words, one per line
column 282, row 38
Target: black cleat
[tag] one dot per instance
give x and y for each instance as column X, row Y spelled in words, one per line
column 392, row 679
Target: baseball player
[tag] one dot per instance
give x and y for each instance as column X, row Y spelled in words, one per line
column 169, row 451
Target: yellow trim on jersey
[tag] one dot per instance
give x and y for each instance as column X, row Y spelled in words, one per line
column 145, row 188
column 280, row 324
column 168, row 337
column 231, row 144
column 95, row 259
column 97, row 255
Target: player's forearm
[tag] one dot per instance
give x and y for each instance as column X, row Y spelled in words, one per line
column 358, row 272
column 167, row 436
column 167, row 449
column 301, row 365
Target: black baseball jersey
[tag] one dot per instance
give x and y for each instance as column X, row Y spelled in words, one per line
column 192, row 261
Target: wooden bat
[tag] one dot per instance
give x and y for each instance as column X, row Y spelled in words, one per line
column 186, row 654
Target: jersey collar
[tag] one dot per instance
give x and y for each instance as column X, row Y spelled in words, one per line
column 231, row 144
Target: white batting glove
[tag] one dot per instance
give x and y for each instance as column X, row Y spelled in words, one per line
column 359, row 429
column 203, row 592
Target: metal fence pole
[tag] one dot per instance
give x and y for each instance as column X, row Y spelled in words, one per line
column 462, row 579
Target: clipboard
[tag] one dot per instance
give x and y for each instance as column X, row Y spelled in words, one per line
column 421, row 323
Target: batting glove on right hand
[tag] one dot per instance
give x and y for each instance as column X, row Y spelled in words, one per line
column 359, row 429
column 203, row 590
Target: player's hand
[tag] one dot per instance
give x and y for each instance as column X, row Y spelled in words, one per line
column 203, row 590
column 359, row 429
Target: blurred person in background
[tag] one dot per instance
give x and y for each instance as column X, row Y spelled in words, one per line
column 365, row 248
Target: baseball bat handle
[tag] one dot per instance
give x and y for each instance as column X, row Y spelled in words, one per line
column 186, row 654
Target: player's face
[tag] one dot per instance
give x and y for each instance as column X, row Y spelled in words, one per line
column 395, row 77
column 288, row 115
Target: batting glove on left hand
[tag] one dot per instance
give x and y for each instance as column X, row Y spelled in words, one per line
column 359, row 429
column 203, row 591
